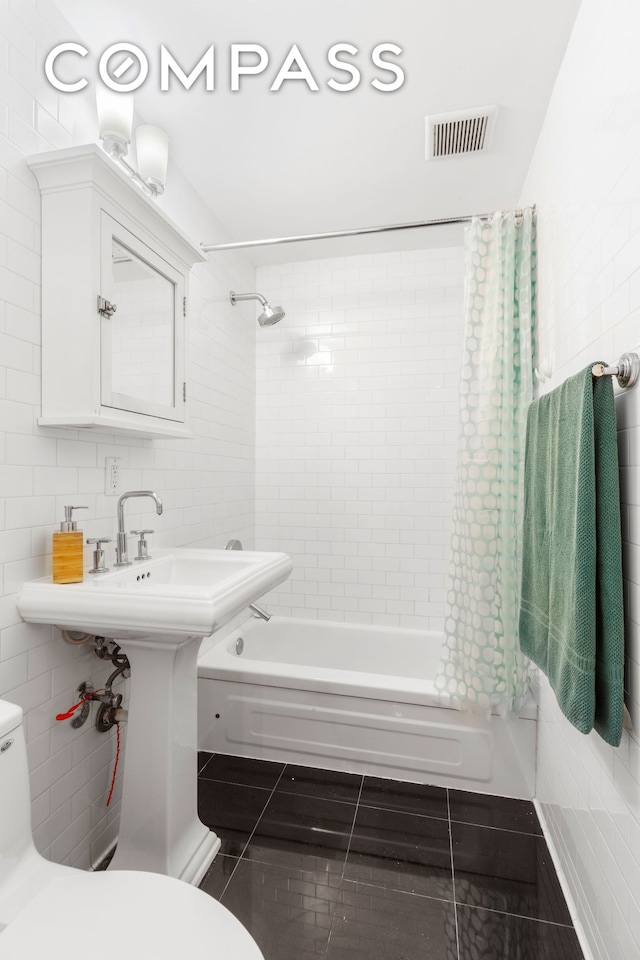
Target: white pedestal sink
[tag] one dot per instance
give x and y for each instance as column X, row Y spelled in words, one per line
column 159, row 610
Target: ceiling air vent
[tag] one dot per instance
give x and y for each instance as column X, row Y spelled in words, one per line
column 459, row 132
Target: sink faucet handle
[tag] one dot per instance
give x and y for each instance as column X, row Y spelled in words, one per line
column 98, row 554
column 143, row 547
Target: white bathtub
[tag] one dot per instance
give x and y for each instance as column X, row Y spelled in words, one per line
column 354, row 698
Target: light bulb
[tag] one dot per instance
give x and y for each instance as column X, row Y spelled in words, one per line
column 152, row 148
column 115, row 119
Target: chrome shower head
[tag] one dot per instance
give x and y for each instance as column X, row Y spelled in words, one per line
column 269, row 315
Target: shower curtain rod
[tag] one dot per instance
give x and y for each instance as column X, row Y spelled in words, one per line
column 273, row 241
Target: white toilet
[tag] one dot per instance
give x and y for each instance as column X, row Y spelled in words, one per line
column 48, row 910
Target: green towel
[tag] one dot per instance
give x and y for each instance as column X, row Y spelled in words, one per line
column 571, row 613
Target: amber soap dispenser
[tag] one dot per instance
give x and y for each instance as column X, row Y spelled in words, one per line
column 68, row 550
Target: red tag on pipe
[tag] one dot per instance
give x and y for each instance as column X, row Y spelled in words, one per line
column 70, row 712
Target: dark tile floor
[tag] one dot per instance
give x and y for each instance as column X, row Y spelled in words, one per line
column 333, row 866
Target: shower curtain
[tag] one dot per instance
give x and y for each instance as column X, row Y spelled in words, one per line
column 481, row 666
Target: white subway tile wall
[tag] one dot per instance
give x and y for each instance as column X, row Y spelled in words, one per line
column 357, row 401
column 585, row 179
column 207, row 482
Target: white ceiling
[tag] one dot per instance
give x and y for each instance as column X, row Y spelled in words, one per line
column 275, row 164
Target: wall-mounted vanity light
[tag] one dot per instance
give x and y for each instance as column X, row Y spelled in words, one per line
column 115, row 120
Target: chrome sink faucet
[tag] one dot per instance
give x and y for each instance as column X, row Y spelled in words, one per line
column 122, row 557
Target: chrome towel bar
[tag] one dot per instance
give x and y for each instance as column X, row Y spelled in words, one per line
column 626, row 370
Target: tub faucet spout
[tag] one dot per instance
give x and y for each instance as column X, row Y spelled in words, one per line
column 122, row 558
column 259, row 612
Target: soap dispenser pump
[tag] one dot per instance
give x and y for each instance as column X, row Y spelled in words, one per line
column 68, row 550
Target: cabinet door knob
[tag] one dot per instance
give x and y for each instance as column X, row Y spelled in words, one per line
column 106, row 308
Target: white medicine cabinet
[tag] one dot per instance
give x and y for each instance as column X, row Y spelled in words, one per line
column 114, row 300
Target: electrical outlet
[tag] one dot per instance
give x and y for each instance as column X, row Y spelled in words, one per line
column 111, row 476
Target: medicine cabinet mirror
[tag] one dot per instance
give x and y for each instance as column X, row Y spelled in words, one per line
column 142, row 340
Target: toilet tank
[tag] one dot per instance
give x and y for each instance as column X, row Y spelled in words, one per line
column 15, row 795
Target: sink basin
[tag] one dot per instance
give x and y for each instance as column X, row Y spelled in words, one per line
column 178, row 593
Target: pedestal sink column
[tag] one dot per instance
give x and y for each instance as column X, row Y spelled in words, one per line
column 159, row 826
